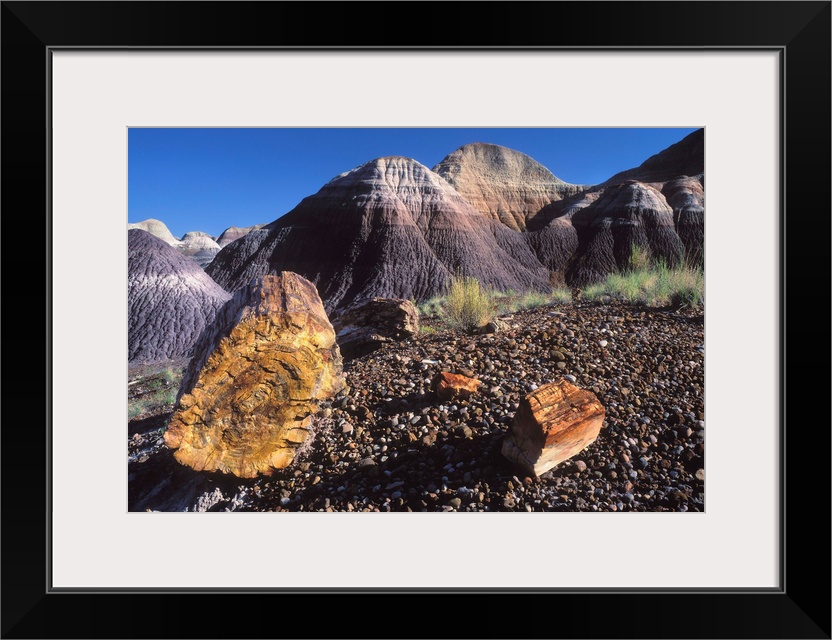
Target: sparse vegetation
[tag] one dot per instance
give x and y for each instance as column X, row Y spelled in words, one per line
column 654, row 284
column 155, row 401
column 153, row 392
column 639, row 259
column 431, row 307
column 468, row 304
column 163, row 379
column 511, row 302
column 561, row 295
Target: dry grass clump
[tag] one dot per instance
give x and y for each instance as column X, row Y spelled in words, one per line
column 468, row 304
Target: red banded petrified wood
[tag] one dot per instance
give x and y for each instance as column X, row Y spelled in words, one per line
column 553, row 423
column 449, row 386
column 257, row 376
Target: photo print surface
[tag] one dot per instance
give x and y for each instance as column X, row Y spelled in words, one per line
column 416, row 320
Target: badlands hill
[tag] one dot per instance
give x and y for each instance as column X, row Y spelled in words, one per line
column 685, row 158
column 195, row 241
column 390, row 228
column 659, row 206
column 235, row 233
column 156, row 228
column 199, row 246
column 686, row 196
column 624, row 215
column 394, row 228
column 506, row 185
column 170, row 299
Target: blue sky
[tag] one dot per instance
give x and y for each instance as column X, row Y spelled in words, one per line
column 211, row 179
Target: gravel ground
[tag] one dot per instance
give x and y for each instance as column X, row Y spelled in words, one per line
column 388, row 444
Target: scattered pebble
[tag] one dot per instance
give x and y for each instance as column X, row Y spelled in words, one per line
column 388, row 444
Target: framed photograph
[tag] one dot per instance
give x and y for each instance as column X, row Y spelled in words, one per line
column 83, row 82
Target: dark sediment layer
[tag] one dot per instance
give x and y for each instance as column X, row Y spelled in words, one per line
column 390, row 228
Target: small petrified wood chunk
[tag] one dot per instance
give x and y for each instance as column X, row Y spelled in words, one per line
column 553, row 423
column 257, row 376
column 449, row 386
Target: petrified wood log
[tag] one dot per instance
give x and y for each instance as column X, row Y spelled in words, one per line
column 448, row 386
column 553, row 423
column 367, row 324
column 258, row 374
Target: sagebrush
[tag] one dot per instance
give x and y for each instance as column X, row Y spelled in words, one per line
column 468, row 304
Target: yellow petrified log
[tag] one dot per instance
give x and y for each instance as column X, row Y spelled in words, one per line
column 257, row 375
column 553, row 423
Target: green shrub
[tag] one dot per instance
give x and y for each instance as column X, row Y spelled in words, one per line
column 469, row 304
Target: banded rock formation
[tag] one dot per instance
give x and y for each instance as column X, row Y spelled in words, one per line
column 390, row 228
column 686, row 196
column 553, row 246
column 258, row 374
column 503, row 184
column 626, row 215
column 170, row 299
column 658, row 206
column 199, row 246
column 203, row 257
column 235, row 233
column 195, row 241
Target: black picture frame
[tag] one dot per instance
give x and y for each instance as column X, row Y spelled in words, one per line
column 800, row 31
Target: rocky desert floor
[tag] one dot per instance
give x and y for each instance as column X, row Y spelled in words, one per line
column 387, row 443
